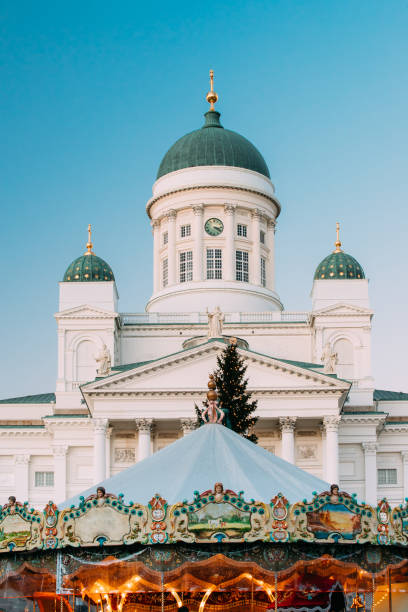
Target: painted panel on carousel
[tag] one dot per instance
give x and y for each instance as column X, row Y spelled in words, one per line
column 399, row 520
column 218, row 515
column 333, row 516
column 279, row 519
column 104, row 519
column 158, row 514
column 20, row 527
column 384, row 522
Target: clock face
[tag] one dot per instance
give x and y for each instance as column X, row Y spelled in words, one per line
column 213, row 226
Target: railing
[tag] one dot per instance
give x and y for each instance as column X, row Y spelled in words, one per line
column 154, row 318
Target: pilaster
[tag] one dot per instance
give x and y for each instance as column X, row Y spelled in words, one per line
column 171, row 246
column 370, row 463
column 100, row 427
column 229, row 263
column 331, row 467
column 404, row 457
column 60, row 472
column 270, row 241
column 21, row 472
column 198, row 243
column 256, row 247
column 156, row 254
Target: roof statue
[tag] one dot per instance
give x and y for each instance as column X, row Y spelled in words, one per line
column 103, row 359
column 215, row 322
column 329, row 359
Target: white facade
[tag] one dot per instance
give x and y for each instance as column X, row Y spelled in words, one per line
column 338, row 428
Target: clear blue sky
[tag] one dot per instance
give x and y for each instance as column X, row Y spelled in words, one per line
column 94, row 93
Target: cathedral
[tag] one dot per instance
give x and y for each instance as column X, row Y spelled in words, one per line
column 127, row 383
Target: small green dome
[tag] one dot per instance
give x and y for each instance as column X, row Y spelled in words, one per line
column 337, row 266
column 88, row 267
column 212, row 145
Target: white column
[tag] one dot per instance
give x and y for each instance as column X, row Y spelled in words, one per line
column 331, row 426
column 108, row 451
column 256, row 247
column 156, row 254
column 171, row 246
column 270, row 242
column 287, row 426
column 21, row 475
column 370, row 462
column 100, row 427
column 198, row 243
column 404, row 455
column 229, row 255
column 60, row 472
column 144, row 427
column 188, row 425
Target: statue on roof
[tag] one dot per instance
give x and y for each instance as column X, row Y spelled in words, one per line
column 103, row 359
column 329, row 359
column 215, row 322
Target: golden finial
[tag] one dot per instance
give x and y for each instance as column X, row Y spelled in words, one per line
column 212, row 96
column 89, row 244
column 337, row 244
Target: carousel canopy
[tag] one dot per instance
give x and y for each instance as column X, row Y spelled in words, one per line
column 213, row 453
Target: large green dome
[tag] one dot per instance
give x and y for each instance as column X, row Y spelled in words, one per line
column 212, row 145
column 339, row 265
column 88, row 267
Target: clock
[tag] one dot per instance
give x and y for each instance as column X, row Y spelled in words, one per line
column 214, row 227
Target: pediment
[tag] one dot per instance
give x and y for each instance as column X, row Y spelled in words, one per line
column 85, row 312
column 343, row 310
column 189, row 369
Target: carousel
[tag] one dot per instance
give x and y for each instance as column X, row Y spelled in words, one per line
column 211, row 522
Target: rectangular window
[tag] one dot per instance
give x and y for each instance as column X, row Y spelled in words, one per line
column 262, row 237
column 242, row 230
column 165, row 272
column 165, row 237
column 44, row 479
column 186, row 266
column 263, row 272
column 387, row 476
column 214, row 263
column 242, row 266
column 185, row 231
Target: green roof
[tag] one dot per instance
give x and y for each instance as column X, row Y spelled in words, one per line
column 42, row 398
column 88, row 268
column 390, row 396
column 212, row 145
column 339, row 266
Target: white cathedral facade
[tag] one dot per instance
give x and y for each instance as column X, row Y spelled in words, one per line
column 127, row 382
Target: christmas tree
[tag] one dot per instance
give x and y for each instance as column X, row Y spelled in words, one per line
column 233, row 396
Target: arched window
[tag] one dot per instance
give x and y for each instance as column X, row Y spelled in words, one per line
column 85, row 361
column 345, row 359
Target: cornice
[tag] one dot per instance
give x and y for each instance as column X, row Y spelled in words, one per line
column 197, row 393
column 24, row 433
column 396, row 427
column 209, row 187
column 52, row 424
column 364, row 419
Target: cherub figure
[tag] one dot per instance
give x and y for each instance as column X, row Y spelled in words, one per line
column 219, row 492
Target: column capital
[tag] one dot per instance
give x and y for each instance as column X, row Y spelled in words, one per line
column 198, row 209
column 229, row 209
column 155, row 223
column 370, row 448
column 59, row 450
column 100, row 425
column 109, row 431
column 331, row 423
column 287, row 424
column 404, row 455
column 271, row 224
column 22, row 459
column 256, row 213
column 188, row 425
column 144, row 425
column 171, row 215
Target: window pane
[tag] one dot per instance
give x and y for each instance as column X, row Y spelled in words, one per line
column 242, row 266
column 262, row 237
column 387, row 476
column 263, row 272
column 165, row 272
column 214, row 263
column 165, row 237
column 185, row 231
column 44, row 479
column 186, row 266
column 242, row 230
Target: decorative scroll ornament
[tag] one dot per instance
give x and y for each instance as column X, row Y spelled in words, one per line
column 383, row 517
column 51, row 513
column 158, row 511
column 279, row 512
